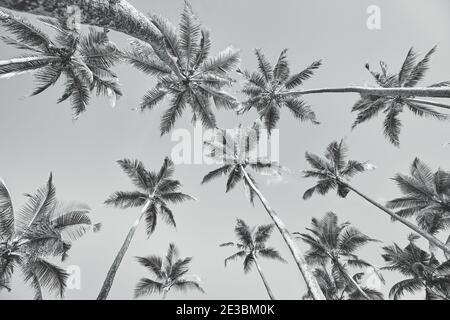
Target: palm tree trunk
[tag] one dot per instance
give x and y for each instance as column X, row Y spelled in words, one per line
column 266, row 284
column 164, row 294
column 431, row 92
column 107, row 284
column 310, row 280
column 349, row 278
column 395, row 216
column 117, row 15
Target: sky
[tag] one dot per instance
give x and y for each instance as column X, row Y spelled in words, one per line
column 37, row 137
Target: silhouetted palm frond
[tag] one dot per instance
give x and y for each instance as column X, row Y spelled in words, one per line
column 193, row 78
column 332, row 252
column 411, row 72
column 268, row 90
column 84, row 60
column 170, row 272
column 42, row 229
column 426, row 196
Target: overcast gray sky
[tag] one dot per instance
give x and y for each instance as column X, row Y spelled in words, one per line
column 38, row 136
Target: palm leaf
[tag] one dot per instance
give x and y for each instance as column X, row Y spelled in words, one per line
column 6, row 213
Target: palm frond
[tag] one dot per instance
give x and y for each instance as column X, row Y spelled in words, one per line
column 185, row 285
column 24, row 31
column 222, row 63
column 6, row 213
column 126, row 199
column 135, row 170
column 264, row 65
column 189, row 35
column 297, row 79
column 147, row 286
column 177, row 105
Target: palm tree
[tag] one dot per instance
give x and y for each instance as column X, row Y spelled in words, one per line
column 422, row 269
column 332, row 248
column 268, row 90
column 251, row 246
column 85, row 61
column 411, row 72
column 169, row 274
column 426, row 196
column 334, row 171
column 44, row 228
column 233, row 150
column 155, row 191
column 192, row 78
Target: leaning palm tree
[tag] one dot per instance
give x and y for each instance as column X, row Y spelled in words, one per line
column 84, row 60
column 426, row 196
column 332, row 250
column 252, row 246
column 155, row 191
column 423, row 270
column 411, row 72
column 335, row 288
column 43, row 229
column 169, row 274
column 334, row 172
column 192, row 77
column 234, row 151
column 269, row 89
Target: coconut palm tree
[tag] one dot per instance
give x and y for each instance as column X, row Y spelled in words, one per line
column 192, row 78
column 84, row 60
column 251, row 246
column 332, row 250
column 411, row 72
column 423, row 270
column 233, row 149
column 155, row 191
column 335, row 288
column 268, row 90
column 334, row 172
column 426, row 195
column 43, row 229
column 169, row 272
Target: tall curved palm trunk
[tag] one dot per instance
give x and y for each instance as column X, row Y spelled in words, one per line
column 395, row 216
column 310, row 280
column 107, row 284
column 352, row 281
column 263, row 278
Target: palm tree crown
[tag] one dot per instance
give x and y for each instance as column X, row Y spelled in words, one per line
column 156, row 190
column 43, row 228
column 422, row 269
column 235, row 150
column 269, row 89
column 252, row 244
column 169, row 272
column 426, row 196
column 332, row 251
column 192, row 78
column 85, row 61
column 332, row 170
column 411, row 72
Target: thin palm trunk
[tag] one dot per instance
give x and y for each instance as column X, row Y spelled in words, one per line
column 431, row 92
column 349, row 278
column 107, row 284
column 120, row 16
column 310, row 280
column 395, row 216
column 266, row 284
column 164, row 294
